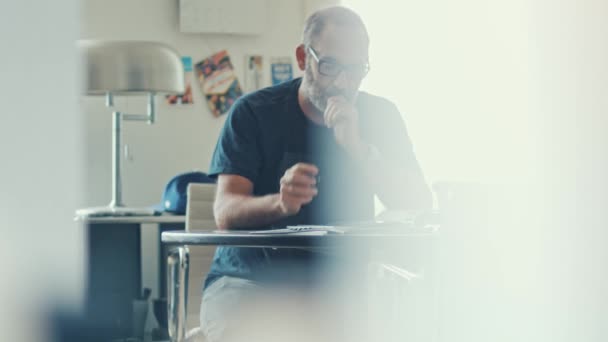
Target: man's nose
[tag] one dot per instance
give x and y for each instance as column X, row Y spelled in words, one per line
column 343, row 80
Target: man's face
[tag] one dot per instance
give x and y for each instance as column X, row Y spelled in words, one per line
column 342, row 56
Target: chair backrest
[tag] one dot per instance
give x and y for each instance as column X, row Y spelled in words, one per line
column 199, row 210
column 199, row 216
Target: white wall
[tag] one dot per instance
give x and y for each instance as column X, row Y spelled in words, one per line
column 313, row 5
column 459, row 72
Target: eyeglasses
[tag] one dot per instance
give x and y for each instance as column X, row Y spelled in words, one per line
column 333, row 69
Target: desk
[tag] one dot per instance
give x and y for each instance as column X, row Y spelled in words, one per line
column 179, row 258
column 114, row 267
column 245, row 239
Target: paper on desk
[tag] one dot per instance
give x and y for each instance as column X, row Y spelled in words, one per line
column 307, row 228
column 301, row 230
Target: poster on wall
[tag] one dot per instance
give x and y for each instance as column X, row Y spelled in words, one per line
column 254, row 71
column 281, row 70
column 218, row 82
column 186, row 97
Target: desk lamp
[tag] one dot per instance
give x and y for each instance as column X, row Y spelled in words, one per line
column 126, row 68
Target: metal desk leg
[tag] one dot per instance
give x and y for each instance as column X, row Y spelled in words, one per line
column 178, row 263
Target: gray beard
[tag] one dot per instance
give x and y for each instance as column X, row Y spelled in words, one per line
column 317, row 96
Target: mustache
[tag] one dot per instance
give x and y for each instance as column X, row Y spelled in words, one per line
column 350, row 96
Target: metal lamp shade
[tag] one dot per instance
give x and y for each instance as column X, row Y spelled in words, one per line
column 130, row 67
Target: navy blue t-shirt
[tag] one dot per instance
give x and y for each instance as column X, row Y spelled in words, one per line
column 265, row 134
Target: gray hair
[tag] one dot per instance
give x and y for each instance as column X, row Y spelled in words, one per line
column 337, row 15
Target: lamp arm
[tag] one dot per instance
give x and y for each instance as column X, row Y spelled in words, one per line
column 117, row 119
column 116, row 176
column 150, row 117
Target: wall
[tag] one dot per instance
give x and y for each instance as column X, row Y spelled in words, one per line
column 312, row 5
column 459, row 72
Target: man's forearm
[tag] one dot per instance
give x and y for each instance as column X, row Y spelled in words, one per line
column 242, row 211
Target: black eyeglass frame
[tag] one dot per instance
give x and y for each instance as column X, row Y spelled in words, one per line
column 357, row 70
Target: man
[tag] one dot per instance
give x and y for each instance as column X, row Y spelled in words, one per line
column 313, row 150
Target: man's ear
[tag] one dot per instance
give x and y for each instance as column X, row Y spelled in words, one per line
column 301, row 56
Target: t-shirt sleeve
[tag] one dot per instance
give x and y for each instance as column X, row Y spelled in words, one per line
column 237, row 150
column 390, row 137
column 396, row 141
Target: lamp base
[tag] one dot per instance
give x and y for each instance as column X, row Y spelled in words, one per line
column 113, row 211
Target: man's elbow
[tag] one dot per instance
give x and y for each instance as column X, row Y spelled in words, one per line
column 222, row 224
column 421, row 199
column 220, row 215
column 425, row 198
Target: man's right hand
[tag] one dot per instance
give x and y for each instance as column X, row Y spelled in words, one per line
column 298, row 187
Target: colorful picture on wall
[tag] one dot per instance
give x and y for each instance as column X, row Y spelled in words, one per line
column 281, row 70
column 253, row 72
column 186, row 97
column 218, row 82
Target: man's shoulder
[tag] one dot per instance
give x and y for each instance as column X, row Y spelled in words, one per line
column 269, row 99
column 375, row 105
column 366, row 99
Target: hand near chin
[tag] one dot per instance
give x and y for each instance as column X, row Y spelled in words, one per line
column 343, row 117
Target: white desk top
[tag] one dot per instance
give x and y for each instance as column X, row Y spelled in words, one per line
column 246, row 239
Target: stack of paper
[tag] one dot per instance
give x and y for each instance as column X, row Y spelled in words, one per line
column 302, row 230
